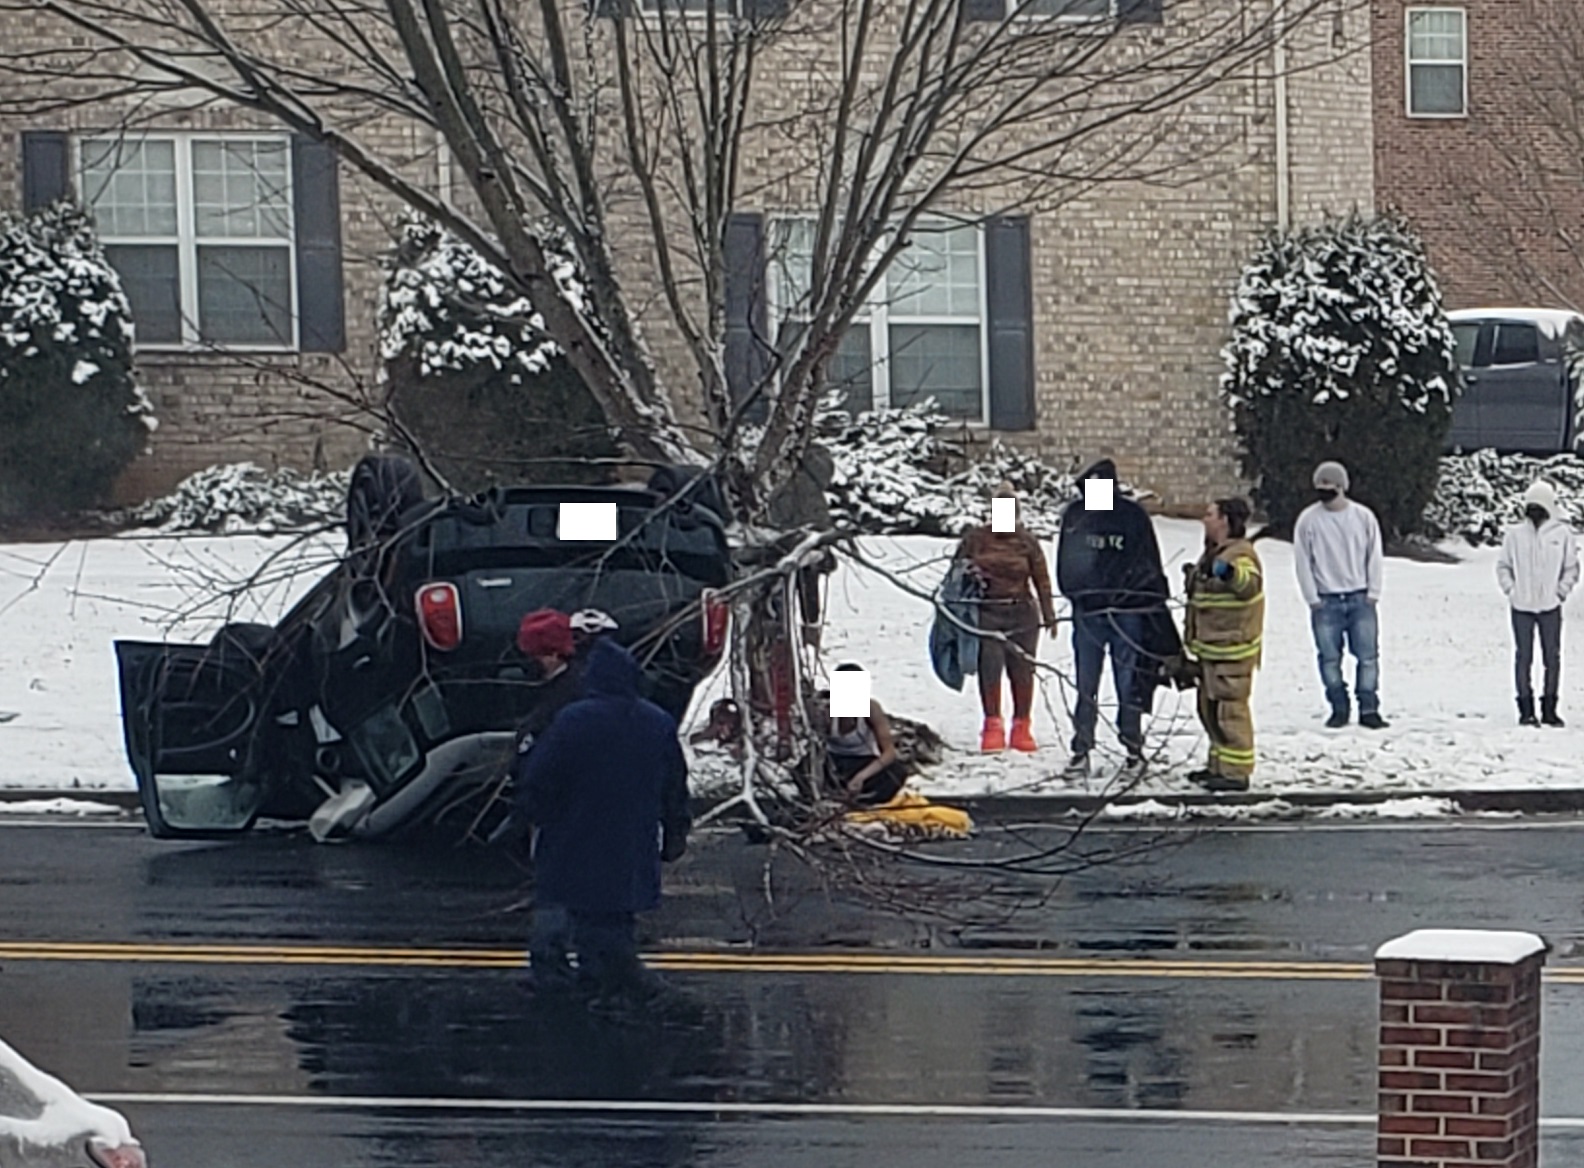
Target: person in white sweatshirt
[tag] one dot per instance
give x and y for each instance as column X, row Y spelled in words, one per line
column 1537, row 568
column 1337, row 550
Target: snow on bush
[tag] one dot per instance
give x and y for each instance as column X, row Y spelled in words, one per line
column 71, row 415
column 1479, row 494
column 242, row 497
column 450, row 310
column 899, row 472
column 1341, row 348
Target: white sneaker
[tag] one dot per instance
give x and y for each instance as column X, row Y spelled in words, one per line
column 1077, row 768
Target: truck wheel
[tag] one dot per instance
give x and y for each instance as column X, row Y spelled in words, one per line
column 384, row 487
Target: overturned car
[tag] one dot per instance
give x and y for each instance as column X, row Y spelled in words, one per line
column 387, row 699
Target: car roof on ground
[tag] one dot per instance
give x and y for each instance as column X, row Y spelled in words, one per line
column 1553, row 320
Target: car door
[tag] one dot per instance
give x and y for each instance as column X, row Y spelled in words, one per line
column 1523, row 404
column 191, row 715
column 1465, row 432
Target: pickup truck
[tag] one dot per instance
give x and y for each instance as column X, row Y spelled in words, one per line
column 388, row 698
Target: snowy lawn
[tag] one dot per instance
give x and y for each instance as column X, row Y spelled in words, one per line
column 1446, row 681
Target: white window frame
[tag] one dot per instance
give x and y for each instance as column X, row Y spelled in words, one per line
column 188, row 243
column 878, row 315
column 1409, row 62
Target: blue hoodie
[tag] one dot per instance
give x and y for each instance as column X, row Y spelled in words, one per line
column 599, row 784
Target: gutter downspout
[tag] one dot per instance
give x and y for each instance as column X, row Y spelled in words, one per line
column 1283, row 158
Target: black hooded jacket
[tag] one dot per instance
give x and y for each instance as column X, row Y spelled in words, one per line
column 1109, row 559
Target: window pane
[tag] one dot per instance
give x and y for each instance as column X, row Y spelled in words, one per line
column 791, row 261
column 1436, row 89
column 938, row 275
column 851, row 372
column 240, row 190
column 130, row 187
column 244, row 295
column 1516, row 344
column 1435, row 36
column 938, row 361
column 1072, row 9
column 150, row 279
column 1466, row 336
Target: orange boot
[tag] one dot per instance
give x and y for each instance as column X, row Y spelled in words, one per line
column 993, row 737
column 1023, row 735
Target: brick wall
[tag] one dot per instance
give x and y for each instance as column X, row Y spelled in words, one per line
column 1483, row 189
column 1459, row 1061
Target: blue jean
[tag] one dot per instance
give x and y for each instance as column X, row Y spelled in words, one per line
column 1094, row 634
column 1348, row 617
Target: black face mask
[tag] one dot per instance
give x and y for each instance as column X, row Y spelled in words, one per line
column 1536, row 513
column 1326, row 494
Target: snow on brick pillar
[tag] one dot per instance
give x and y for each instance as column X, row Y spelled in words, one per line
column 1459, row 1049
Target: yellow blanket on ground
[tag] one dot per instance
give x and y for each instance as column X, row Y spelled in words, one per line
column 912, row 814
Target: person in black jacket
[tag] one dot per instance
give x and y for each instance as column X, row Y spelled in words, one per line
column 606, row 788
column 1108, row 565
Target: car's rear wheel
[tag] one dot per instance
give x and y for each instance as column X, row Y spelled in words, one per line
column 384, row 487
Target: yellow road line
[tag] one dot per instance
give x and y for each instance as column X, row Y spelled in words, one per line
column 171, row 953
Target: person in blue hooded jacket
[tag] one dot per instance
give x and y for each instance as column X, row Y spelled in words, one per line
column 605, row 787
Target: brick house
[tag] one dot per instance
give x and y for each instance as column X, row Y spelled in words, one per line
column 1477, row 134
column 252, row 265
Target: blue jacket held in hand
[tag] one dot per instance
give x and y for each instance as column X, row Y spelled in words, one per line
column 954, row 650
column 600, row 785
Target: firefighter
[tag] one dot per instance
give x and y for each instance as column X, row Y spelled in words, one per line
column 1226, row 616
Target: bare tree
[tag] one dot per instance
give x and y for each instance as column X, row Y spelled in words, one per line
column 633, row 132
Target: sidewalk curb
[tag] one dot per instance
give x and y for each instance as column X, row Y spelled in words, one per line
column 1003, row 808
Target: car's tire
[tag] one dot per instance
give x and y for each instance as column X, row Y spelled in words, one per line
column 254, row 641
column 384, row 487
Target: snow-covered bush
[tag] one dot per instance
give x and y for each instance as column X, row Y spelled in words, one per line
column 1479, row 494
column 899, row 472
column 243, row 497
column 471, row 375
column 71, row 415
column 1341, row 349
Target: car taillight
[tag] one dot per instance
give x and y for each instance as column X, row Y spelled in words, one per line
column 715, row 618
column 440, row 615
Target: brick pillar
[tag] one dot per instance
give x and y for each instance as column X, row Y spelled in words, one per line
column 1459, row 1049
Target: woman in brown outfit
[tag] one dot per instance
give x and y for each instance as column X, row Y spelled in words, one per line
column 1017, row 602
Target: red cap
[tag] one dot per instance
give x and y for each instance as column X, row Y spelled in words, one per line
column 545, row 633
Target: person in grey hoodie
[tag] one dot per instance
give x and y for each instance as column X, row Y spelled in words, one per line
column 1537, row 568
column 1338, row 555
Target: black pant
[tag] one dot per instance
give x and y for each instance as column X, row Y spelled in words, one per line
column 877, row 789
column 1550, row 626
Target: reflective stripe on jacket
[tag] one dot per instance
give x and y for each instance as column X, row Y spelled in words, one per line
column 1227, row 617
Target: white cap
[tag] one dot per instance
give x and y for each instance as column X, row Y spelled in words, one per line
column 1544, row 494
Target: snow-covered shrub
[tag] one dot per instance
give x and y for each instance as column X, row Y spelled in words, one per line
column 242, row 497
column 899, row 472
column 1341, row 349
column 1479, row 494
column 471, row 375
column 71, row 415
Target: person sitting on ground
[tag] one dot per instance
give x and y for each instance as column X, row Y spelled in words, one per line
column 725, row 727
column 861, row 756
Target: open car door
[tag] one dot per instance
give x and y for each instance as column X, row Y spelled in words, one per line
column 191, row 715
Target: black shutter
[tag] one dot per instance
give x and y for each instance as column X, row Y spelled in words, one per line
column 984, row 10
column 1010, row 300
column 46, row 168
column 1141, row 12
column 746, row 315
column 611, row 9
column 316, row 204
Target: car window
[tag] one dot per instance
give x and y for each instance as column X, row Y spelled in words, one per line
column 1467, row 337
column 1516, row 344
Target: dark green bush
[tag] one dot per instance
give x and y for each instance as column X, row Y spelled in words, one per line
column 1341, row 350
column 71, row 415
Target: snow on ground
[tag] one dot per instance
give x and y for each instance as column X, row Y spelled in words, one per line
column 1446, row 662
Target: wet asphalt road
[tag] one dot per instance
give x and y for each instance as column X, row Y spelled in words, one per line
column 1230, row 1032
